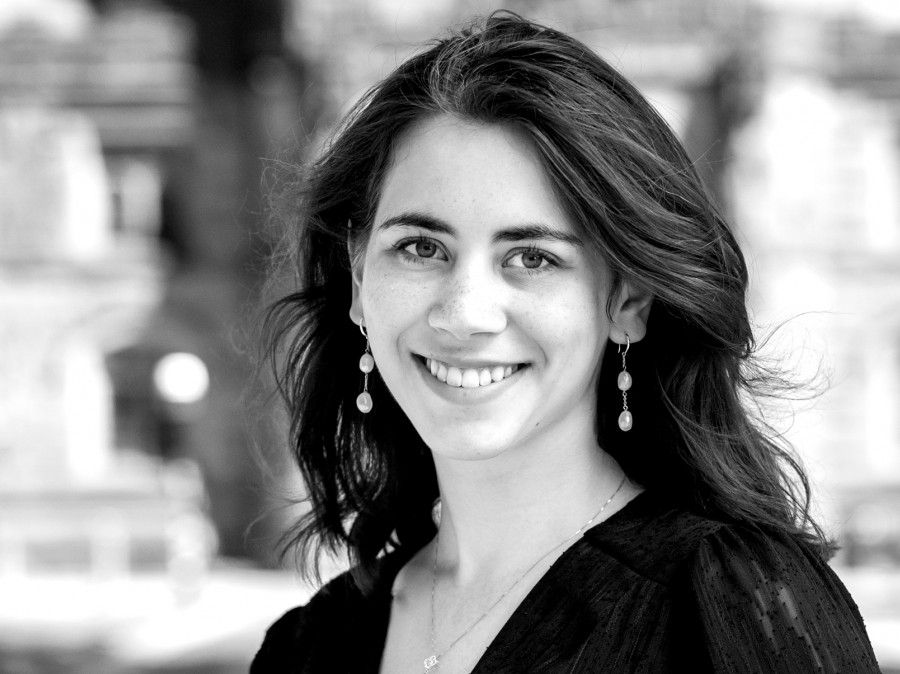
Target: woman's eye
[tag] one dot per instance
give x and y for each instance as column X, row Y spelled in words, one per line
column 530, row 259
column 425, row 248
column 422, row 248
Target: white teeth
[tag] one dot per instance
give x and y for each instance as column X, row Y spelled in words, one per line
column 468, row 377
column 454, row 376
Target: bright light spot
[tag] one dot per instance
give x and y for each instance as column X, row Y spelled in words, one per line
column 64, row 19
column 181, row 378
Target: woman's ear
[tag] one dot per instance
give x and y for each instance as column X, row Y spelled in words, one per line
column 356, row 314
column 629, row 313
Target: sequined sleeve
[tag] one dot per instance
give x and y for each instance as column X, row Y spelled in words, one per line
column 769, row 605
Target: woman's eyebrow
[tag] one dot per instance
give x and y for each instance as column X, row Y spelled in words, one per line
column 421, row 220
column 536, row 231
column 531, row 231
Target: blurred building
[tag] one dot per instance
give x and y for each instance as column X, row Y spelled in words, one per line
column 815, row 187
column 132, row 142
column 89, row 117
column 136, row 134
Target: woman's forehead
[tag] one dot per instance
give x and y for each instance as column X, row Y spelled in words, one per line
column 471, row 170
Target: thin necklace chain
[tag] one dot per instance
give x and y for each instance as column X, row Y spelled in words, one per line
column 434, row 660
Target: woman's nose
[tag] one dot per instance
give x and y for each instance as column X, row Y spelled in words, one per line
column 469, row 303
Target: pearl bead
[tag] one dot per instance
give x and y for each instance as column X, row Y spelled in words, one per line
column 364, row 402
column 366, row 363
column 625, row 421
column 624, row 381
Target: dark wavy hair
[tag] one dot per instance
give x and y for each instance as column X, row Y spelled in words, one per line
column 633, row 194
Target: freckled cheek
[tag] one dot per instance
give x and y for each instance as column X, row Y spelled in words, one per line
column 392, row 307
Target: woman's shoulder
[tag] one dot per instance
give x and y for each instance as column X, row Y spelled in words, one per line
column 661, row 540
column 315, row 634
column 754, row 586
column 764, row 600
column 653, row 537
column 293, row 630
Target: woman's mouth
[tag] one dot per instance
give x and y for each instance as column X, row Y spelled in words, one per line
column 464, row 377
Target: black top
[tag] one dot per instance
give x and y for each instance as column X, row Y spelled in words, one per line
column 651, row 589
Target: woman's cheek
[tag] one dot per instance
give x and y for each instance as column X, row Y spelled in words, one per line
column 383, row 294
column 392, row 303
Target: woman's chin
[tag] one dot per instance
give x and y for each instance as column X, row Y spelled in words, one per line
column 469, row 442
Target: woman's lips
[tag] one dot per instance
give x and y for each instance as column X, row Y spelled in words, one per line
column 465, row 377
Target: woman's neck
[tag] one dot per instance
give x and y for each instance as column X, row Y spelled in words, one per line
column 499, row 515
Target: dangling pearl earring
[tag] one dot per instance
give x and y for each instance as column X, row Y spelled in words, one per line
column 366, row 365
column 624, row 382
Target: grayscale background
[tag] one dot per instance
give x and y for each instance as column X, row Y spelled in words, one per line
column 144, row 483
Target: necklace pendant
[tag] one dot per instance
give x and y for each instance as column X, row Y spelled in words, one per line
column 431, row 661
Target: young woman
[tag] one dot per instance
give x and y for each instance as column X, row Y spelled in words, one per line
column 556, row 351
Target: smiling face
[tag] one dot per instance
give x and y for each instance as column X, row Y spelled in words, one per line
column 486, row 315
